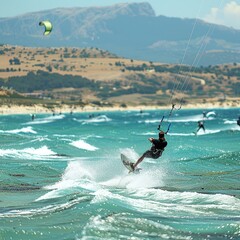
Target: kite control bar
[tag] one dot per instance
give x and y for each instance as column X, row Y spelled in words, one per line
column 169, row 115
column 159, row 126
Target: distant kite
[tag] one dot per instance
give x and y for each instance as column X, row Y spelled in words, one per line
column 48, row 27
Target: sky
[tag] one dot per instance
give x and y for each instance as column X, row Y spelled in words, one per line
column 224, row 12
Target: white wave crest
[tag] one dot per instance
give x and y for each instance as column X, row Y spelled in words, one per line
column 83, row 145
column 98, row 119
column 212, row 113
column 230, row 122
column 181, row 134
column 21, row 130
column 45, row 120
column 28, row 153
column 146, row 133
column 75, row 176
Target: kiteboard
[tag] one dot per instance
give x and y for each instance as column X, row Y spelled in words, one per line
column 127, row 163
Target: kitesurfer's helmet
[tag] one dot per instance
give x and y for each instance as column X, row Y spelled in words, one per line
column 161, row 134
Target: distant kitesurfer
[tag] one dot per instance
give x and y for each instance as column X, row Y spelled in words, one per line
column 238, row 121
column 33, row 117
column 91, row 115
column 200, row 126
column 158, row 146
column 204, row 114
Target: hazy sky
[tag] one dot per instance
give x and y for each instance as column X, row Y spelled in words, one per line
column 225, row 12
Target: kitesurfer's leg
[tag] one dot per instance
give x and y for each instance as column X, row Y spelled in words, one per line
column 147, row 153
column 203, row 128
column 138, row 161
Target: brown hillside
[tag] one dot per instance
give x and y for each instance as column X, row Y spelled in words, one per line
column 126, row 80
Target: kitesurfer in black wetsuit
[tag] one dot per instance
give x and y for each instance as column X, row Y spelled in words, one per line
column 204, row 114
column 200, row 126
column 156, row 150
column 238, row 122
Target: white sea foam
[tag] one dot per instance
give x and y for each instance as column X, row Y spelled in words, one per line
column 43, row 210
column 148, row 177
column 98, row 119
column 45, row 120
column 21, row 130
column 151, row 121
column 28, row 153
column 83, row 145
column 142, row 114
column 130, row 153
column 56, row 117
column 79, row 120
column 230, row 126
column 200, row 132
column 194, row 118
column 42, row 121
column 172, row 203
column 235, row 128
column 75, row 176
column 206, row 200
column 140, row 195
column 41, row 139
column 212, row 113
column 146, row 133
column 181, row 134
column 230, row 121
column 207, row 131
column 88, row 175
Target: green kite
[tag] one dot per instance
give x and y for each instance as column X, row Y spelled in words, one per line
column 48, row 27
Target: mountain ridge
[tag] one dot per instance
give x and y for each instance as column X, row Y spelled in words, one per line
column 129, row 30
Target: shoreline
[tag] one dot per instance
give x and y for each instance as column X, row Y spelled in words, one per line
column 40, row 109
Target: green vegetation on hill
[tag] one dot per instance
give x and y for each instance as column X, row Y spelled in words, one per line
column 218, row 80
column 47, row 81
column 104, row 77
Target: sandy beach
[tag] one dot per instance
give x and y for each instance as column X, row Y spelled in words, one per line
column 41, row 109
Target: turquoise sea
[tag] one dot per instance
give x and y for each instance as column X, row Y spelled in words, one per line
column 62, row 178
